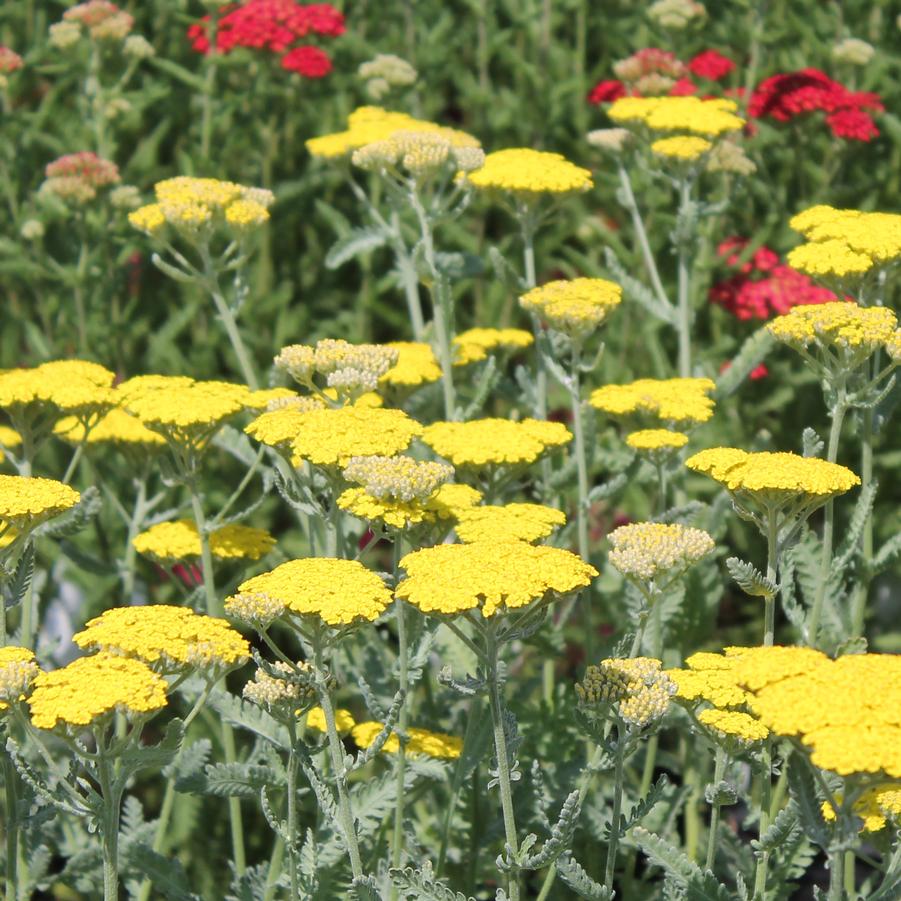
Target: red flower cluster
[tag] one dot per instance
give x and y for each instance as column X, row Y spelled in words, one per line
column 607, row 91
column 763, row 286
column 274, row 26
column 711, row 65
column 10, row 61
column 85, row 166
column 785, row 96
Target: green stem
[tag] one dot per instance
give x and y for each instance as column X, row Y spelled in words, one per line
column 213, row 606
column 234, row 335
column 397, row 845
column 112, row 795
column 838, row 415
column 236, row 823
column 134, row 526
column 410, row 281
column 12, row 829
column 291, row 789
column 503, row 764
column 766, row 788
column 769, row 601
column 859, row 604
column 336, row 752
column 684, row 284
column 209, row 90
column 276, row 862
column 617, row 808
column 850, row 872
column 836, row 874
column 719, row 769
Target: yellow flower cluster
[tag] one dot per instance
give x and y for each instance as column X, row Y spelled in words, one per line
column 701, row 117
column 338, row 592
column 486, row 442
column 733, row 724
column 510, row 522
column 420, row 742
column 369, row 124
column 574, row 307
column 679, row 400
column 637, row 687
column 474, row 345
column 421, row 153
column 17, row 671
column 416, row 365
column 649, row 550
column 449, row 502
column 490, row 577
column 195, row 206
column 344, row 720
column 398, row 478
column 349, row 369
column 25, row 502
column 845, row 241
column 681, row 147
column 169, row 542
column 117, row 427
column 164, row 637
column 773, row 474
column 75, row 387
column 91, row 689
column 875, row 806
column 529, row 174
column 841, row 325
column 656, row 440
column 280, row 693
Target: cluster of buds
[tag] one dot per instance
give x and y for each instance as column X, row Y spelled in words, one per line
column 17, row 671
column 349, row 369
column 281, row 689
column 636, row 689
column 10, row 62
column 650, row 551
column 418, row 153
column 384, row 72
column 650, row 72
column 76, row 177
column 853, row 52
column 398, row 478
column 100, row 20
column 676, row 14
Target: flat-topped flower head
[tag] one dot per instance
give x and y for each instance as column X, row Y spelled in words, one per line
column 371, row 124
column 344, row 720
column 529, row 174
column 416, row 365
column 874, row 235
column 733, row 725
column 685, row 148
column 418, row 154
column 773, row 476
column 283, row 691
column 510, row 522
column 101, row 19
column 679, row 400
column 574, row 307
column 492, row 578
column 26, row 502
column 90, row 690
column 332, row 437
column 474, row 345
column 420, row 742
column 853, row 332
column 494, row 442
column 349, row 369
column 18, row 670
column 709, row 118
column 714, row 686
column 636, row 688
column 172, row 542
column 875, row 807
column 195, row 207
column 77, row 177
column 166, row 638
column 648, row 551
column 829, row 258
column 656, row 440
column 117, row 428
column 335, row 592
column 398, row 478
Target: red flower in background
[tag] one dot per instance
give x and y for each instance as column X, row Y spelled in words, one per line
column 784, row 97
column 684, row 87
column 274, row 26
column 711, row 64
column 607, row 92
column 764, row 286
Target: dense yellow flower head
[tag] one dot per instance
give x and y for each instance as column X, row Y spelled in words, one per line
column 191, row 205
column 656, row 440
column 716, row 686
column 701, row 117
column 637, row 687
column 733, row 724
column 76, row 387
column 164, row 637
column 416, row 365
column 369, row 124
column 678, row 400
column 447, row 503
column 490, row 577
column 91, row 689
column 875, row 235
column 170, row 542
column 338, row 592
column 839, row 324
column 475, row 344
column 875, row 806
column 824, row 258
column 344, row 720
column 766, row 473
column 681, row 147
column 649, row 550
column 420, row 742
column 25, row 501
column 530, row 173
column 17, row 671
column 9, row 438
column 486, row 442
column 510, row 522
column 118, row 427
column 575, row 307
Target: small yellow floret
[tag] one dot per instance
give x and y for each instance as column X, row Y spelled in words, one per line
column 170, row 542
column 656, row 439
column 681, row 147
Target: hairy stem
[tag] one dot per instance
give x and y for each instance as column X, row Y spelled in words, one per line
column 719, row 769
column 684, row 284
column 769, row 609
column 397, row 844
column 12, row 829
column 610, row 867
column 859, row 604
